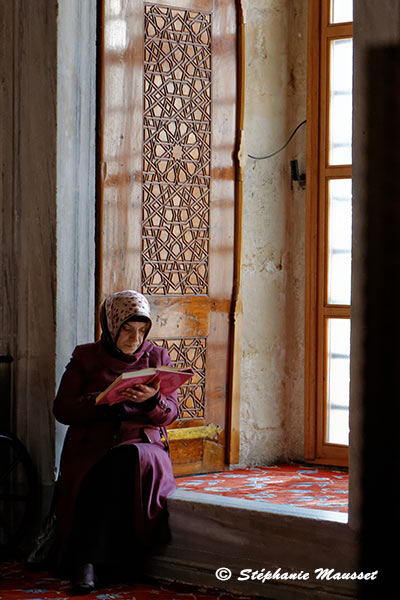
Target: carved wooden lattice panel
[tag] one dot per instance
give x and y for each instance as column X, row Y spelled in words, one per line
column 167, row 200
column 191, row 395
column 176, row 151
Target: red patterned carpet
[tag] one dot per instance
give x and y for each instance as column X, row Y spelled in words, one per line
column 18, row 584
column 295, row 485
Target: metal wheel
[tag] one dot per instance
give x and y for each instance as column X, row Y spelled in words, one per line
column 18, row 484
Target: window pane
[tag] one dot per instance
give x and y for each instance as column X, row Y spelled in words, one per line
column 338, row 381
column 341, row 11
column 340, row 107
column 339, row 241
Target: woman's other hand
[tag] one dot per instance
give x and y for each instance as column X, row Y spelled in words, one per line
column 141, row 393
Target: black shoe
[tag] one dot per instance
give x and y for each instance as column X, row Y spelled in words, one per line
column 85, row 580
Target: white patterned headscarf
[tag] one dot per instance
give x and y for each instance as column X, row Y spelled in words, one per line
column 121, row 307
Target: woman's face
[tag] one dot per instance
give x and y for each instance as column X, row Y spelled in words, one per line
column 131, row 336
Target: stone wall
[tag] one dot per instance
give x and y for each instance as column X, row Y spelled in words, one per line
column 29, row 135
column 47, row 197
column 272, row 395
column 76, row 181
column 375, row 24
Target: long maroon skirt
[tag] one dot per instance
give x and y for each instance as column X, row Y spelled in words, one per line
column 121, row 513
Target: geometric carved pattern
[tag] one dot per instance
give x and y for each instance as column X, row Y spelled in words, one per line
column 191, row 395
column 176, row 151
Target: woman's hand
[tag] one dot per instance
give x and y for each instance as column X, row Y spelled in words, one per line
column 141, row 393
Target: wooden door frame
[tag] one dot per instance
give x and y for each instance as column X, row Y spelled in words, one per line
column 233, row 416
column 235, row 316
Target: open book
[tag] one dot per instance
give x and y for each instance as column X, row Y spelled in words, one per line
column 171, row 378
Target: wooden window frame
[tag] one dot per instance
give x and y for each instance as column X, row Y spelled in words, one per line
column 319, row 172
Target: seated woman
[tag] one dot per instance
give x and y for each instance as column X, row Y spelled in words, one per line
column 115, row 471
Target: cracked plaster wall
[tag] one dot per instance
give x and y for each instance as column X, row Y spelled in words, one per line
column 272, row 396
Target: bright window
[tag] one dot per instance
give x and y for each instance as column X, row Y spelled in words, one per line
column 329, row 230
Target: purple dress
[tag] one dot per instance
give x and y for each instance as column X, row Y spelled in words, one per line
column 115, row 465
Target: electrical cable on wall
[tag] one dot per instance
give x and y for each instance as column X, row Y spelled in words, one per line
column 280, row 149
